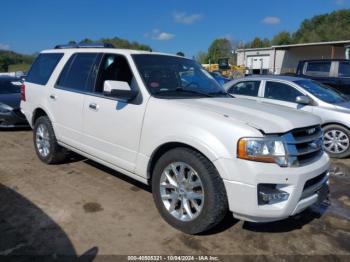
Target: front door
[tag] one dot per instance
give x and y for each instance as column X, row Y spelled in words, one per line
column 112, row 128
column 283, row 94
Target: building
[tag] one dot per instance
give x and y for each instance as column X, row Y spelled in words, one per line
column 283, row 59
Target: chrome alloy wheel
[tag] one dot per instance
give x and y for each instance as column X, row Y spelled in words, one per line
column 336, row 141
column 182, row 191
column 42, row 140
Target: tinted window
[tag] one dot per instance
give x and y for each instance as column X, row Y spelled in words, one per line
column 280, row 91
column 344, row 69
column 10, row 86
column 43, row 67
column 114, row 67
column 76, row 72
column 318, row 68
column 322, row 92
column 247, row 88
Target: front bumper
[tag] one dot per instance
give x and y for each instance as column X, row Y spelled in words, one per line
column 242, row 177
column 13, row 118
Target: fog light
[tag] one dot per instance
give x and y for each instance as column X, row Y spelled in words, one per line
column 269, row 194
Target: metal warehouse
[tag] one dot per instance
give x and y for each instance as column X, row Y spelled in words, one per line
column 283, row 59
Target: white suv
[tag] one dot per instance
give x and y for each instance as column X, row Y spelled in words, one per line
column 163, row 120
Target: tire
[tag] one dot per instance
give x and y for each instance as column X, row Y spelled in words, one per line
column 199, row 170
column 54, row 153
column 343, row 134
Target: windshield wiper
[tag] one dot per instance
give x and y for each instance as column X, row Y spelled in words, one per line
column 180, row 89
column 223, row 93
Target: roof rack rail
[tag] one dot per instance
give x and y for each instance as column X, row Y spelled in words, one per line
column 85, row 45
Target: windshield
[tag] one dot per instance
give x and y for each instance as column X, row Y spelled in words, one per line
column 323, row 92
column 168, row 76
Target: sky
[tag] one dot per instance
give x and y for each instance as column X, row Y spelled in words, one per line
column 166, row 25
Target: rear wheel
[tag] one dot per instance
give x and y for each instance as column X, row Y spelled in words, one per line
column 188, row 191
column 336, row 141
column 45, row 143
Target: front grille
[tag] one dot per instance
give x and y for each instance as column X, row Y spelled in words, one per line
column 304, row 145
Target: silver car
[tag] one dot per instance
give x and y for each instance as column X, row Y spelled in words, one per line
column 303, row 94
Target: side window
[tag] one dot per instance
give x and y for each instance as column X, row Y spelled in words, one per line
column 246, row 88
column 43, row 67
column 318, row 68
column 280, row 91
column 76, row 72
column 344, row 69
column 113, row 67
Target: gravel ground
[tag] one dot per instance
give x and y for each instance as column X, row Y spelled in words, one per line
column 81, row 207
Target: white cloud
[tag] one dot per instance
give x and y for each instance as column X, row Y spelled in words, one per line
column 4, row 46
column 271, row 20
column 160, row 36
column 340, row 2
column 187, row 19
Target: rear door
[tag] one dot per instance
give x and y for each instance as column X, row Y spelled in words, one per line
column 112, row 128
column 67, row 98
column 246, row 89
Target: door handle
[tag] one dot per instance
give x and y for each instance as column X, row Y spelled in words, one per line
column 93, row 106
column 53, row 97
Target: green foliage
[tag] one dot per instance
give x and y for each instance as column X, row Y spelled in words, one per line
column 282, row 38
column 201, row 57
column 258, row 43
column 328, row 27
column 8, row 58
column 119, row 43
column 321, row 28
column 220, row 47
column 19, row 67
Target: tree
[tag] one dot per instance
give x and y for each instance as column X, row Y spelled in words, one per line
column 201, row 57
column 258, row 43
column 180, row 54
column 327, row 27
column 86, row 41
column 282, row 38
column 220, row 47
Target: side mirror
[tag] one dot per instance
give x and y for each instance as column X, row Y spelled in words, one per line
column 304, row 100
column 119, row 89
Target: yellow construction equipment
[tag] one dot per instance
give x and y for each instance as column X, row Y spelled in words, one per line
column 226, row 69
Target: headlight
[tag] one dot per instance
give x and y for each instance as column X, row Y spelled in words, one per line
column 270, row 150
column 5, row 108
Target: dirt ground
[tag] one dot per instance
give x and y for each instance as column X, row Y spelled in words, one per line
column 80, row 207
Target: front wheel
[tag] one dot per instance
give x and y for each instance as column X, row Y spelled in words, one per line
column 188, row 191
column 336, row 141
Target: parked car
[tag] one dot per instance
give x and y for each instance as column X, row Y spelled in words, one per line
column 307, row 95
column 202, row 151
column 10, row 98
column 219, row 77
column 332, row 72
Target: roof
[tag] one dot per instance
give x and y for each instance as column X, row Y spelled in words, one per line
column 267, row 77
column 343, row 42
column 104, row 50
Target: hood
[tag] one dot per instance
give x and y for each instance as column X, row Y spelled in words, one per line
column 265, row 117
column 12, row 100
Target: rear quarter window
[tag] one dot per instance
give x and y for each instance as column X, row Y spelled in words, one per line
column 318, row 68
column 42, row 68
